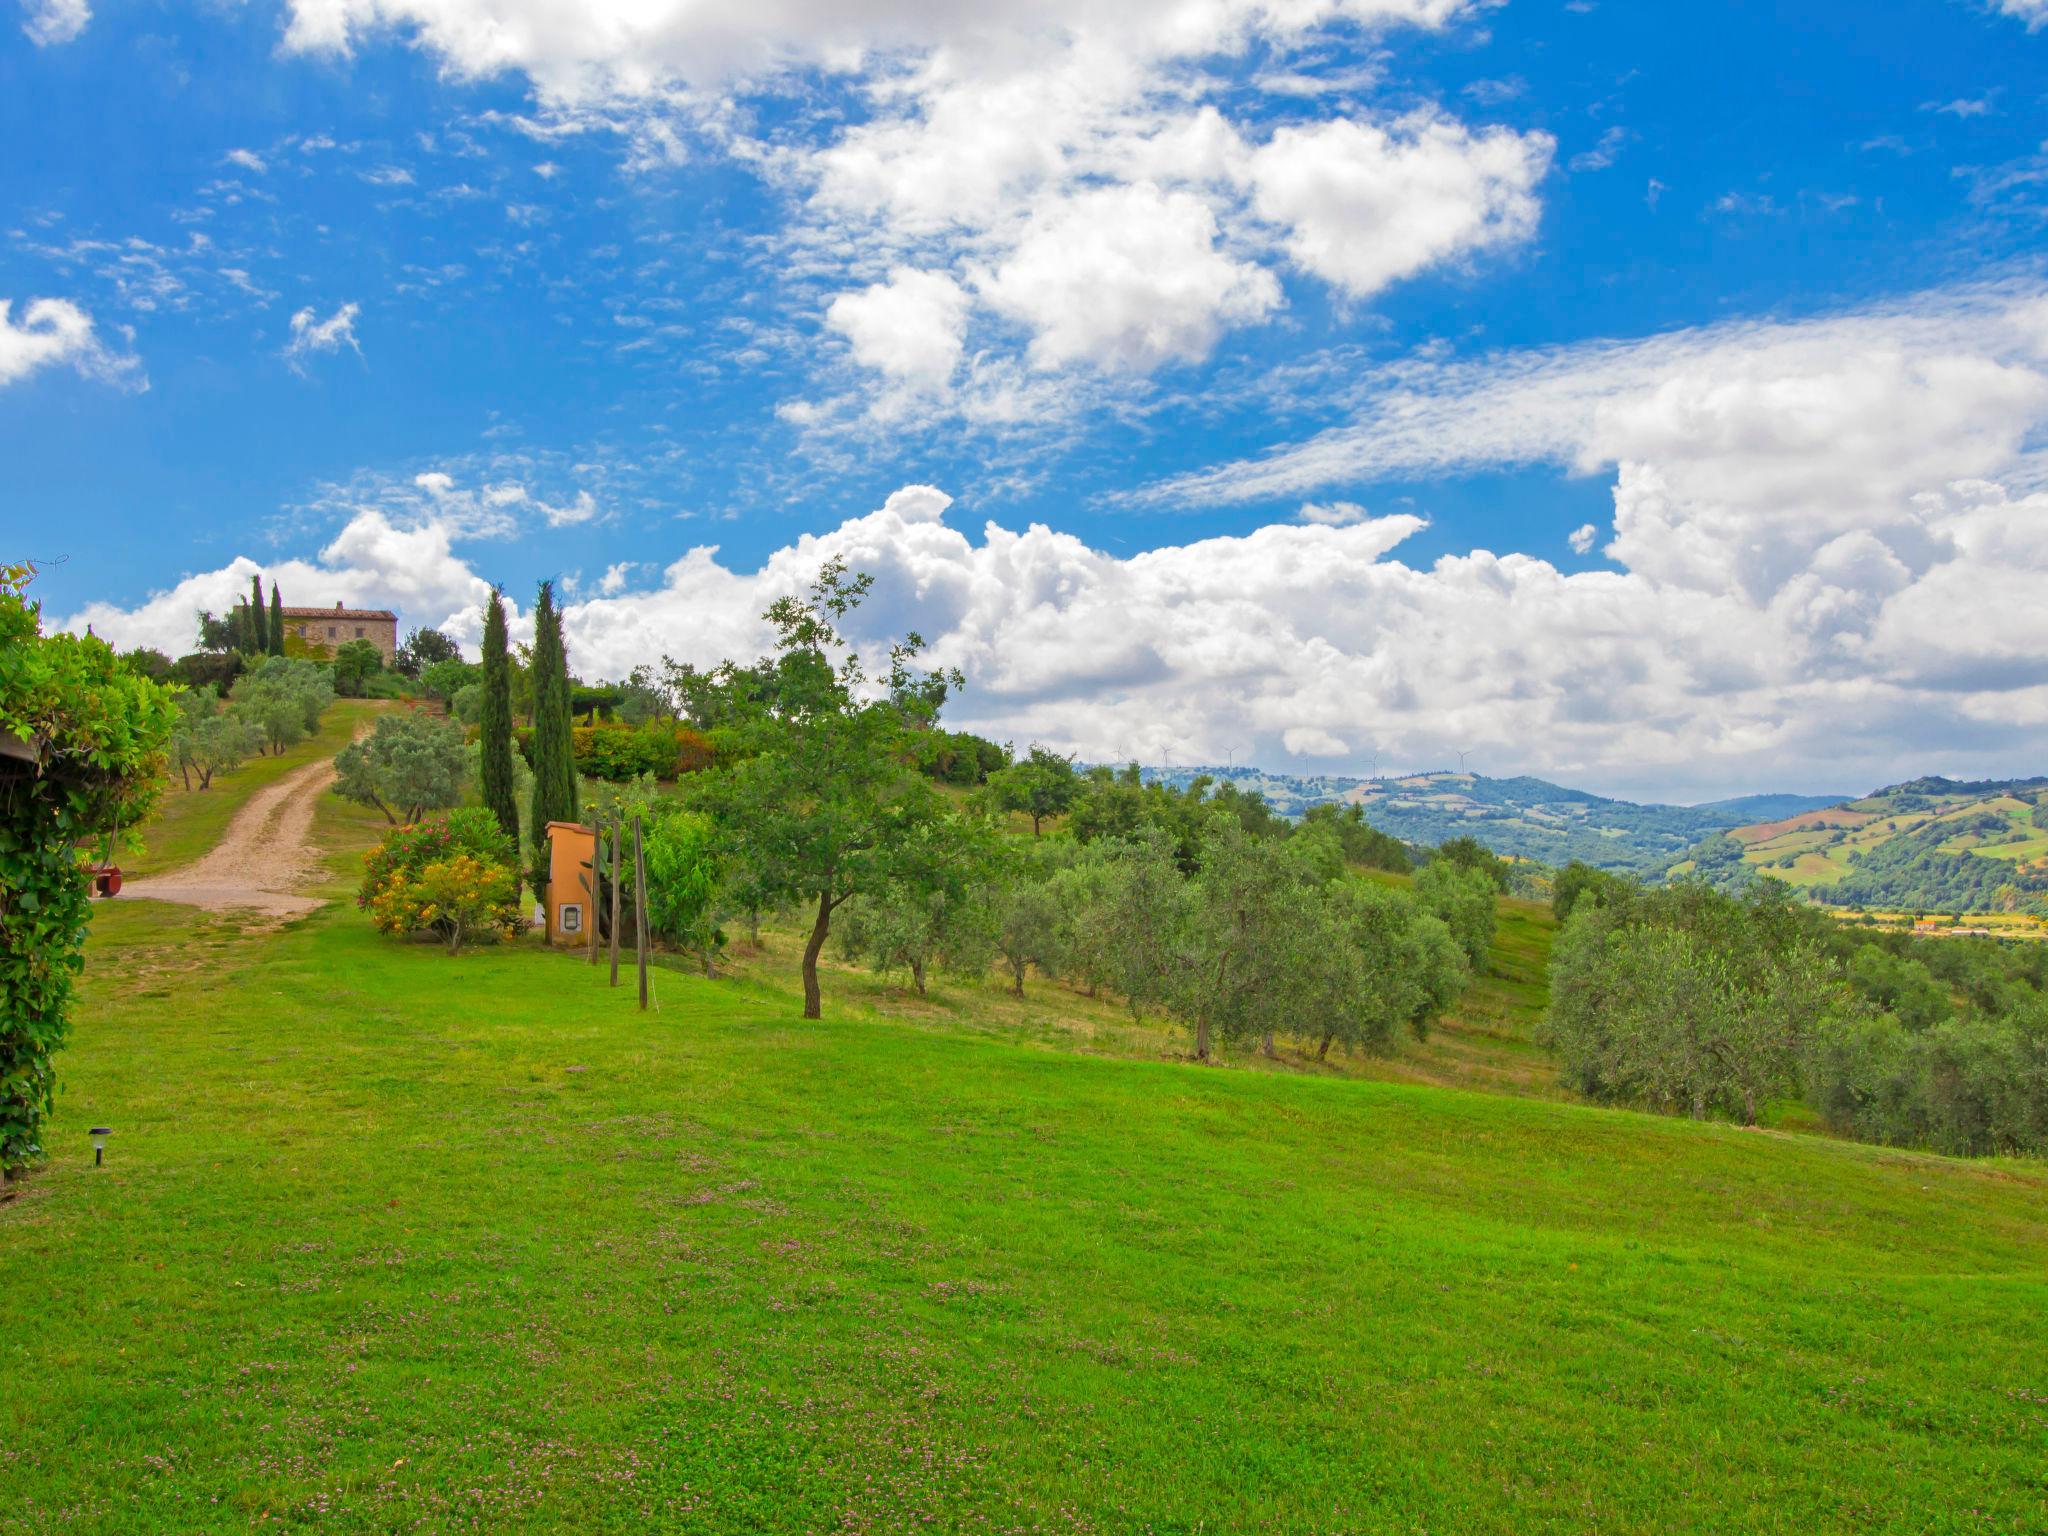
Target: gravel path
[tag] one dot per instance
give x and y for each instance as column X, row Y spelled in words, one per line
column 261, row 859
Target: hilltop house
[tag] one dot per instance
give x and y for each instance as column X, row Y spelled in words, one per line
column 335, row 627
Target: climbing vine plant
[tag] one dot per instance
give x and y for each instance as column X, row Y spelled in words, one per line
column 81, row 760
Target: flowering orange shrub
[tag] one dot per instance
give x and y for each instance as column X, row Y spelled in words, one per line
column 458, row 897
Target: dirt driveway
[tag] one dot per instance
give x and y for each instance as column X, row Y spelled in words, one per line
column 261, row 860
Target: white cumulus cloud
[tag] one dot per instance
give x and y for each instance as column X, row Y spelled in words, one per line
column 1364, row 205
column 908, row 328
column 1316, row 645
column 1126, row 277
column 1051, row 186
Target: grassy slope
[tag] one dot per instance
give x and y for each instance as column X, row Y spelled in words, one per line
column 189, row 822
column 389, row 1241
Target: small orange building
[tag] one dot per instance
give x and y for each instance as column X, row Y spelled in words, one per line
column 571, row 847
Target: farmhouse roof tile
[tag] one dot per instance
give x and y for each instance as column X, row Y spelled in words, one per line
column 339, row 612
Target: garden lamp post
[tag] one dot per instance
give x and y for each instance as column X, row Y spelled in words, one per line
column 99, row 1133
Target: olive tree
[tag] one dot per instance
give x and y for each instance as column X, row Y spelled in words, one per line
column 409, row 765
column 824, row 805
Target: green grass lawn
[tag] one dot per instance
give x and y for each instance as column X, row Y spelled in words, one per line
column 189, row 822
column 388, row 1241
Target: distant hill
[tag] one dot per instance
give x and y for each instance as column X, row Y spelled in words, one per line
column 1750, row 808
column 1523, row 817
column 1933, row 845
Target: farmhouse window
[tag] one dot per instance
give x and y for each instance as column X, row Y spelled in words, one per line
column 359, row 631
column 330, row 631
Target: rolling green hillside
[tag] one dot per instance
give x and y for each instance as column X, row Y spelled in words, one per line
column 1523, row 817
column 1933, row 844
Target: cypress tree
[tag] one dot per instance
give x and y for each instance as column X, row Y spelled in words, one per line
column 259, row 628
column 276, row 622
column 500, row 796
column 554, row 761
column 242, row 630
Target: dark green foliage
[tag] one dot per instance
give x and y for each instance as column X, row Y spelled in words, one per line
column 422, row 649
column 202, row 669
column 1470, row 853
column 956, row 757
column 554, row 764
column 356, row 665
column 1040, row 785
column 1687, row 999
column 220, row 636
column 276, row 631
column 1123, row 803
column 1693, row 999
column 1718, row 862
column 153, row 664
column 408, row 765
column 688, row 891
column 590, row 705
column 1465, row 900
column 1969, row 1084
column 447, row 677
column 1910, row 873
column 495, row 725
column 1364, row 844
column 257, row 641
column 821, row 805
column 1580, row 882
column 102, row 728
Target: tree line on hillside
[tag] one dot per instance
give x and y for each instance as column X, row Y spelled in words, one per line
column 272, row 706
column 254, row 630
column 826, row 799
column 1196, row 902
column 1694, row 1000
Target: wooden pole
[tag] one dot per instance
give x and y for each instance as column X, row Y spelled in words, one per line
column 617, row 828
column 640, row 910
column 590, row 884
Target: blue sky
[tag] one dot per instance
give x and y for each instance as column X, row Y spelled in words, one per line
column 1652, row 396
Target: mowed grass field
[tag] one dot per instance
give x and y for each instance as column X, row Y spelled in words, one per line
column 392, row 1242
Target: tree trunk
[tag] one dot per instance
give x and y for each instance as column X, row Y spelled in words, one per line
column 813, row 947
column 1202, row 1040
column 917, row 975
column 1323, row 1050
column 754, row 927
column 1266, row 1047
column 1017, row 978
column 1034, row 823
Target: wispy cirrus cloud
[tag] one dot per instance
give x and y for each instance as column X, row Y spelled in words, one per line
column 310, row 334
column 51, row 22
column 55, row 333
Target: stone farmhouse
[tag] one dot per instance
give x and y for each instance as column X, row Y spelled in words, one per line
column 335, row 627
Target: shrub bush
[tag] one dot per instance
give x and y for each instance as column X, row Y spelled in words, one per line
column 456, row 897
column 666, row 749
column 398, row 890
